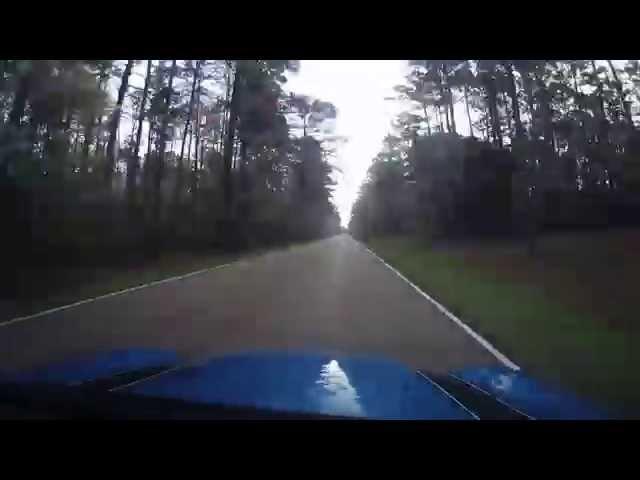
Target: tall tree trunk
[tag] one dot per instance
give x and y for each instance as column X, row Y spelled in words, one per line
column 67, row 126
column 444, row 99
column 492, row 101
column 75, row 144
column 115, row 123
column 466, row 103
column 86, row 144
column 45, row 149
column 426, row 118
column 197, row 127
column 20, row 100
column 150, row 138
column 449, row 93
column 189, row 146
column 446, row 116
column 513, row 93
column 451, row 124
column 4, row 69
column 452, row 114
column 625, row 111
column 99, row 133
column 244, row 180
column 485, row 125
column 147, row 172
column 98, row 124
column 89, row 133
column 134, row 161
column 132, row 135
column 193, row 178
column 162, row 146
column 229, row 143
column 574, row 74
column 236, row 150
column 601, row 115
column 527, row 83
column 547, row 121
column 225, row 112
column 439, row 118
column 507, row 112
column 534, row 192
column 180, row 172
column 600, row 88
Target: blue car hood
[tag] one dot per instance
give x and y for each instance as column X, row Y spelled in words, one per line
column 355, row 386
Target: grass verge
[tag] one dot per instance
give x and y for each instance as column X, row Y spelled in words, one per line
column 71, row 284
column 66, row 285
column 543, row 312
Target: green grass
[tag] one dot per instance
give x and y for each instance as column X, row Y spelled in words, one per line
column 567, row 316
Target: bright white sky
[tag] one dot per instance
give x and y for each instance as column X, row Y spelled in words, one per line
column 358, row 89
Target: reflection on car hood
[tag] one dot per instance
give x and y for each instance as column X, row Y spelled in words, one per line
column 529, row 395
column 354, row 386
column 325, row 384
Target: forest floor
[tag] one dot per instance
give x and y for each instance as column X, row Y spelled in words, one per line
column 53, row 287
column 569, row 315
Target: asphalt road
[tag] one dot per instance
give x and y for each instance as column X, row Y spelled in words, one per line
column 330, row 295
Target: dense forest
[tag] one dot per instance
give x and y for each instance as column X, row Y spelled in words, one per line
column 103, row 161
column 551, row 144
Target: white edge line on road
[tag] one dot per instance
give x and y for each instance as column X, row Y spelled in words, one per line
column 112, row 294
column 482, row 341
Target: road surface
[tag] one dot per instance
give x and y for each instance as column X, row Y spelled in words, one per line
column 330, row 295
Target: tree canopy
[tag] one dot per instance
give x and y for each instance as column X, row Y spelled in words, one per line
column 142, row 155
column 539, row 128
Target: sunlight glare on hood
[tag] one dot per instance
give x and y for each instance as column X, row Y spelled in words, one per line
column 341, row 398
